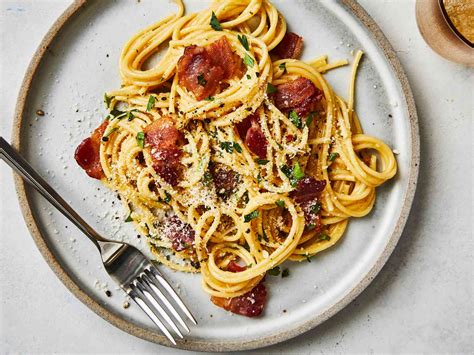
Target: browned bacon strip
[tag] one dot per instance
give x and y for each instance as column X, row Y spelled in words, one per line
column 307, row 194
column 299, row 95
column 201, row 69
column 250, row 304
column 87, row 154
column 290, row 46
column 181, row 234
column 251, row 133
column 165, row 142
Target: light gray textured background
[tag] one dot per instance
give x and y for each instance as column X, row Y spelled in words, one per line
column 422, row 301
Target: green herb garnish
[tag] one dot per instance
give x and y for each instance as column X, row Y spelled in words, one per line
column 295, row 119
column 333, row 156
column 310, row 118
column 308, row 258
column 275, row 271
column 250, row 216
column 243, row 40
column 316, row 208
column 151, row 103
column 207, row 178
column 282, row 66
column 107, row 100
column 310, row 226
column 167, row 197
column 286, row 170
column 248, row 76
column 285, row 273
column 209, row 98
column 324, row 236
column 297, row 173
column 201, row 80
column 129, row 218
column 215, row 24
column 141, row 139
column 248, row 61
column 230, row 146
column 280, row 203
column 271, row 89
column 237, row 147
column 105, row 137
column 261, row 161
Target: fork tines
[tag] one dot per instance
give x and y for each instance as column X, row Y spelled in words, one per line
column 151, row 291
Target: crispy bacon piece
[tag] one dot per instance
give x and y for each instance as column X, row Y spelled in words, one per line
column 87, row 153
column 307, row 194
column 290, row 46
column 232, row 266
column 181, row 234
column 250, row 131
column 249, row 304
column 201, row 69
column 299, row 95
column 225, row 180
column 165, row 140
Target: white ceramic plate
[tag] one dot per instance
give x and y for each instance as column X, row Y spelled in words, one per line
column 78, row 62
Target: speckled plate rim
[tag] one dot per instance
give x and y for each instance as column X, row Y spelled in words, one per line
column 358, row 11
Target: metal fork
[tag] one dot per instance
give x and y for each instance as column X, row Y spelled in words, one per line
column 125, row 264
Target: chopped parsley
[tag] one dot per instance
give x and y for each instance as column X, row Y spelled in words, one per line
column 250, row 216
column 259, row 178
column 333, row 156
column 297, row 173
column 151, row 103
column 245, row 197
column 207, row 178
column 280, row 203
column 215, row 24
column 248, row 76
column 141, row 139
column 129, row 218
column 237, row 147
column 271, row 89
column 310, row 118
column 130, row 116
column 201, row 80
column 230, row 146
column 316, row 208
column 286, row 170
column 167, row 197
column 308, row 258
column 105, row 137
column 282, row 66
column 285, row 273
column 243, row 40
column 324, row 236
column 248, row 61
column 261, row 161
column 295, row 119
column 275, row 271
column 209, row 98
column 107, row 100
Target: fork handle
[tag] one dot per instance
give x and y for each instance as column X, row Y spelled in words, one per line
column 26, row 171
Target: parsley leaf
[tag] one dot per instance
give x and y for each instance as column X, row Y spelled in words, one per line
column 107, row 100
column 201, row 80
column 248, row 76
column 151, row 103
column 280, row 203
column 310, row 118
column 248, row 61
column 275, row 271
column 295, row 119
column 282, row 66
column 250, row 216
column 308, row 258
column 243, row 40
column 141, row 139
column 316, row 208
column 227, row 146
column 209, row 98
column 129, row 218
column 167, row 197
column 285, row 273
column 237, row 147
column 297, row 173
column 286, row 170
column 207, row 178
column 333, row 156
column 324, row 236
column 261, row 161
column 105, row 137
column 215, row 24
column 271, row 89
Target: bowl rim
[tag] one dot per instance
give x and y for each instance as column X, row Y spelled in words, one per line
column 201, row 345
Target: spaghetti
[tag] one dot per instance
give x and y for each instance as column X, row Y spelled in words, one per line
column 269, row 166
